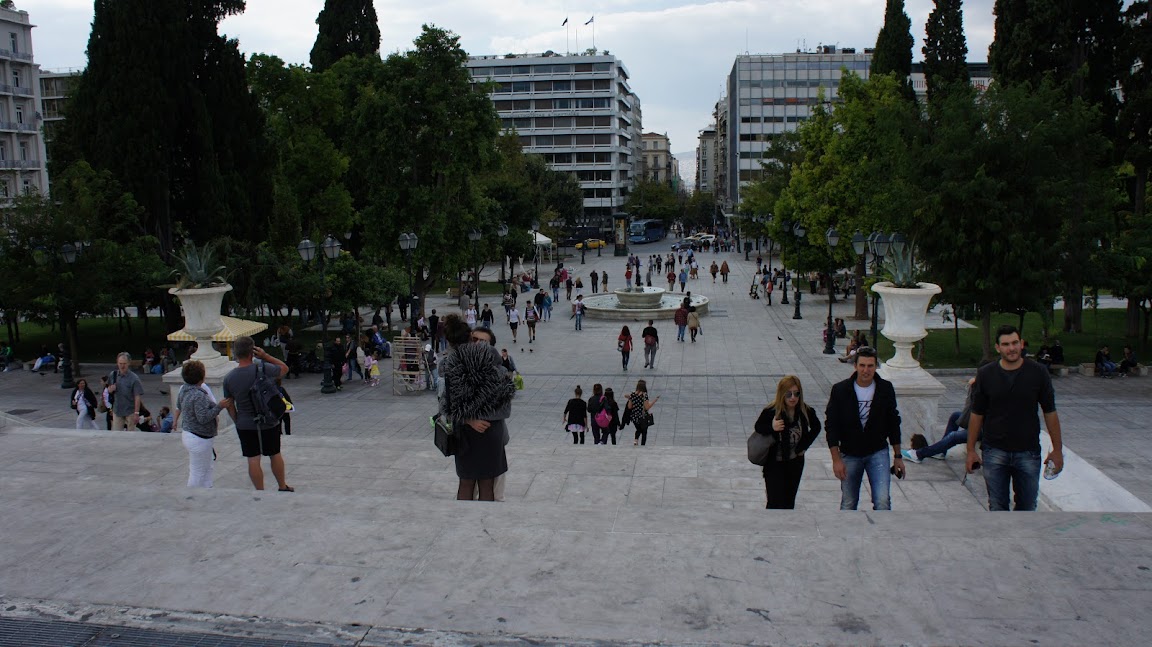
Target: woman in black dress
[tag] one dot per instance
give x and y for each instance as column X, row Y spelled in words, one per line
column 613, row 410
column 792, row 426
column 477, row 397
column 576, row 417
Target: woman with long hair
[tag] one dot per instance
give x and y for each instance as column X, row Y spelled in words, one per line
column 792, row 426
column 84, row 402
column 624, row 345
column 477, row 397
column 576, row 416
column 637, row 411
column 613, row 410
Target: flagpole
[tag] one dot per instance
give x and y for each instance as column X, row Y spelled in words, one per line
column 567, row 37
column 593, row 34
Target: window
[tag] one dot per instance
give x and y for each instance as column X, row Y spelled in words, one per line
column 14, row 42
column 23, row 151
column 3, row 151
column 4, row 188
column 522, row 69
column 16, row 78
column 19, row 114
column 522, row 86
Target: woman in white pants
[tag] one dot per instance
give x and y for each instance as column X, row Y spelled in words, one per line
column 197, row 411
column 84, row 402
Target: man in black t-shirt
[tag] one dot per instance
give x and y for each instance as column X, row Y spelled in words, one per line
column 1004, row 401
column 651, row 344
column 254, row 440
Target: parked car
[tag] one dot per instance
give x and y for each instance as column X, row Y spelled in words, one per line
column 591, row 243
column 687, row 243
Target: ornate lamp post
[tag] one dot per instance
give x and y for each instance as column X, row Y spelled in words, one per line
column 833, row 237
column 536, row 249
column 331, row 249
column 68, row 251
column 502, row 232
column 408, row 244
column 800, row 232
column 879, row 243
column 474, row 236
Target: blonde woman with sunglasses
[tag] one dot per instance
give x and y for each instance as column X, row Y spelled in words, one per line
column 792, row 427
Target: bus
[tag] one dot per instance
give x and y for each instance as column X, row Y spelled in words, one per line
column 646, row 231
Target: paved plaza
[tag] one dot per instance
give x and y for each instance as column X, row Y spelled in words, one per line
column 667, row 543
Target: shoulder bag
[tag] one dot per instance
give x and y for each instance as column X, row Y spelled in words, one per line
column 760, row 447
column 445, row 431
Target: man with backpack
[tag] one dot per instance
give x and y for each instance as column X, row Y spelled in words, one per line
column 256, row 423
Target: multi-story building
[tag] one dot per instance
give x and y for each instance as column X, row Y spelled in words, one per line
column 769, row 94
column 22, row 153
column 706, row 161
column 656, row 159
column 980, row 75
column 55, row 88
column 578, row 112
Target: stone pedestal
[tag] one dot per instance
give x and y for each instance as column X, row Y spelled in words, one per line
column 917, row 392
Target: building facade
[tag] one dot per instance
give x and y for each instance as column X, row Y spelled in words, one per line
column 656, row 161
column 23, row 158
column 769, row 94
column 706, row 160
column 55, row 88
column 980, row 75
column 579, row 113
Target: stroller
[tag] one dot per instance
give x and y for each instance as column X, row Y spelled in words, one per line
column 754, row 291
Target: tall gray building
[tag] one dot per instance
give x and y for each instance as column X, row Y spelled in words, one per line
column 578, row 112
column 769, row 94
column 23, row 163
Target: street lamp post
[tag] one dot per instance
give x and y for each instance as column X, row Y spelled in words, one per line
column 408, row 244
column 536, row 249
column 474, row 237
column 331, row 249
column 502, row 232
column 800, row 232
column 68, row 251
column 878, row 242
column 833, row 237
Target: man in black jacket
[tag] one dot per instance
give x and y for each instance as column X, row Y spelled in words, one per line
column 861, row 421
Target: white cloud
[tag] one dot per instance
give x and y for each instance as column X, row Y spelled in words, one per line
column 677, row 52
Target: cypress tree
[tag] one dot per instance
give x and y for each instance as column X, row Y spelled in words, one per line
column 347, row 28
column 945, row 50
column 893, row 53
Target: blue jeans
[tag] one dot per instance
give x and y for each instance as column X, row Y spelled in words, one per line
column 1021, row 469
column 579, row 321
column 953, row 435
column 680, row 332
column 877, row 466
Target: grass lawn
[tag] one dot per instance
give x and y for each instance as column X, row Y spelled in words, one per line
column 1105, row 326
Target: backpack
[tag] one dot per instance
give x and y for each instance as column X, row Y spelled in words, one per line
column 603, row 416
column 267, row 403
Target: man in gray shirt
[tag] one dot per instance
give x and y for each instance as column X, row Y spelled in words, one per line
column 254, row 441
column 127, row 393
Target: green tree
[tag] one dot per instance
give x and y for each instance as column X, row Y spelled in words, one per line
column 656, row 200
column 346, row 28
column 164, row 106
column 893, row 53
column 945, row 50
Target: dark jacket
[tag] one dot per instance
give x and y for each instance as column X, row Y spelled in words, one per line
column 476, row 384
column 809, row 430
column 842, row 419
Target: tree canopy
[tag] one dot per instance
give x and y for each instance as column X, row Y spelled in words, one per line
column 346, row 28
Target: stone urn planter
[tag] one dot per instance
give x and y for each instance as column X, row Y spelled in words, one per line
column 904, row 312
column 201, row 308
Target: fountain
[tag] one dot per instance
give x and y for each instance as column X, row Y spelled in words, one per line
column 639, row 303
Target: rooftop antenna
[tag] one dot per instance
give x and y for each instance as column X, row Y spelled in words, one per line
column 746, row 41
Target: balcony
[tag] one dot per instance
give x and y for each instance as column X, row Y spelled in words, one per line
column 10, row 165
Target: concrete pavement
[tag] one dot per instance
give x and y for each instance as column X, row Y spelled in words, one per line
column 667, row 543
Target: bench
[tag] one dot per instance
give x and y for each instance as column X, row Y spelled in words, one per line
column 1088, row 369
column 44, row 368
column 1140, row 370
column 1058, row 370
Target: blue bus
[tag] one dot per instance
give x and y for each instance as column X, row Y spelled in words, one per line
column 646, row 231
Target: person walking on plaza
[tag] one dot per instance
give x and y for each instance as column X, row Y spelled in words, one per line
column 575, row 417
column 470, row 316
column 638, row 411
column 486, row 317
column 568, row 285
column 680, row 318
column 613, row 410
column 514, row 322
column 538, row 301
column 477, row 397
column 254, row 440
column 693, row 323
column 651, row 344
column 792, row 426
column 724, row 271
column 595, row 282
column 198, row 419
column 531, row 316
column 579, row 288
column 596, row 404
column 127, row 395
column 578, row 312
column 1004, row 402
column 683, row 278
column 861, row 421
column 85, row 404
column 671, row 280
column 624, row 345
column 554, row 284
column 955, row 433
column 768, row 287
column 604, row 280
column 713, row 270
column 628, row 275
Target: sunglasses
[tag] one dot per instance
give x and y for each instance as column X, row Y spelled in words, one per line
column 792, row 394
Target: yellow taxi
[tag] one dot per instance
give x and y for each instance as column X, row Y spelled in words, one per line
column 591, row 243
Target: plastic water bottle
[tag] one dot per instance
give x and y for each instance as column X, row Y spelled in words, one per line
column 1050, row 470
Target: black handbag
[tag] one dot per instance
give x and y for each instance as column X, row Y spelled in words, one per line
column 760, row 447
column 446, row 433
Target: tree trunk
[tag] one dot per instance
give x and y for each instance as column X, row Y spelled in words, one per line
column 142, row 313
column 1074, row 310
column 956, row 327
column 1132, row 319
column 986, row 334
column 73, row 341
column 861, row 295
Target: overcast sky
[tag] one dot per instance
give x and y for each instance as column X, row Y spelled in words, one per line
column 677, row 51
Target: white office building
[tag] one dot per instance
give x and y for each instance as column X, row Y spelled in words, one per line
column 579, row 113
column 23, row 159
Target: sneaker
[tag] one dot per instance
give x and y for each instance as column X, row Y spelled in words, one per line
column 940, row 457
column 910, row 455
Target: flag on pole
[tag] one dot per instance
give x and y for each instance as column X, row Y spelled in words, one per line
column 590, row 20
column 564, row 23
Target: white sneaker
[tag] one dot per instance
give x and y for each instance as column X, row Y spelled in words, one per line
column 910, row 455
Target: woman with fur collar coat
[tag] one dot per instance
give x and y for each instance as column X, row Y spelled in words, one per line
column 478, row 397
